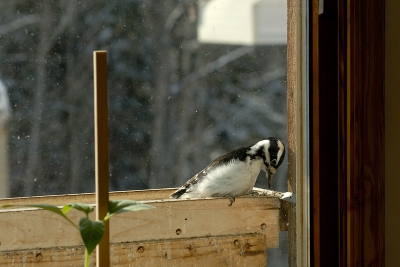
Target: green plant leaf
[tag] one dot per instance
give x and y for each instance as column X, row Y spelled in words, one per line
column 80, row 206
column 66, row 208
column 48, row 207
column 119, row 206
column 91, row 233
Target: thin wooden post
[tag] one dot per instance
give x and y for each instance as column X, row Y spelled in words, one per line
column 101, row 151
column 294, row 133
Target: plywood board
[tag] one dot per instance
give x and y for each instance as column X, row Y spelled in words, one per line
column 172, row 219
column 240, row 250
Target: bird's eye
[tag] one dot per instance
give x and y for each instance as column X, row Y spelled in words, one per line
column 273, row 162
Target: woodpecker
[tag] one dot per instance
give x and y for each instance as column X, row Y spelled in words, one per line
column 235, row 173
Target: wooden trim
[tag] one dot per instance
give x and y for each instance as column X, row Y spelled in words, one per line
column 324, row 140
column 316, row 244
column 101, row 151
column 293, row 73
column 348, row 133
column 362, row 115
column 342, row 132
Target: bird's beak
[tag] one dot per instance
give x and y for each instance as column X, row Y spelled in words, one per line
column 271, row 171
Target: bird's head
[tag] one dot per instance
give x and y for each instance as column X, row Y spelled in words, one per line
column 272, row 151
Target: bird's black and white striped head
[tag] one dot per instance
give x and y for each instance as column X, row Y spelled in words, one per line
column 272, row 151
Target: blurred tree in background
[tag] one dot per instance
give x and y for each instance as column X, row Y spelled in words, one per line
column 175, row 104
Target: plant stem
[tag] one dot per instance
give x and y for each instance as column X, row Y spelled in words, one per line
column 87, row 257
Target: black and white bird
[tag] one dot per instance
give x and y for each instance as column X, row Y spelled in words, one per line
column 235, row 173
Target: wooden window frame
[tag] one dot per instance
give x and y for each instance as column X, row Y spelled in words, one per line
column 346, row 143
column 362, row 133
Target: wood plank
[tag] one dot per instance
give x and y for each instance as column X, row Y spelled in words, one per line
column 237, row 250
column 170, row 220
column 342, row 131
column 392, row 132
column 60, row 200
column 293, row 119
column 101, row 150
column 138, row 195
column 362, row 175
column 324, row 137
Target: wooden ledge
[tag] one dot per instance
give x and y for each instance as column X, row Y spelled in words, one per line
column 207, row 225
column 234, row 250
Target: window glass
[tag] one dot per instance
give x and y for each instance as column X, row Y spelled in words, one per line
column 185, row 86
column 188, row 81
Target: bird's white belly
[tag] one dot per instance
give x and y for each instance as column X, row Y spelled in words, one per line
column 236, row 178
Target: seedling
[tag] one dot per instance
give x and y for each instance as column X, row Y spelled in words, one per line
column 91, row 231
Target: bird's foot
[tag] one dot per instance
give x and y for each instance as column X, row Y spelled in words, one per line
column 231, row 198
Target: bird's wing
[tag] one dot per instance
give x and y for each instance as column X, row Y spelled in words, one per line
column 186, row 187
column 238, row 153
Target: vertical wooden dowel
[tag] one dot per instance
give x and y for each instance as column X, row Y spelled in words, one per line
column 101, row 151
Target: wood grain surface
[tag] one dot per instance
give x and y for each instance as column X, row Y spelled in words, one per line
column 235, row 250
column 293, row 119
column 101, row 151
column 33, row 231
column 362, row 172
